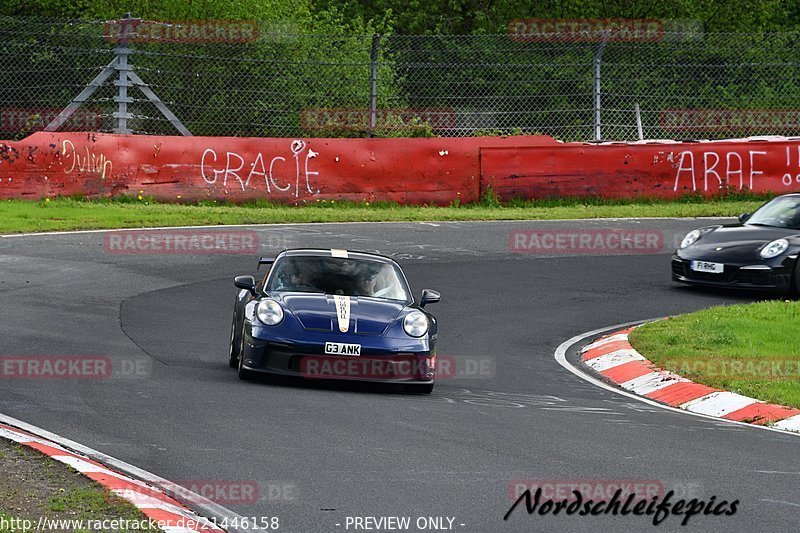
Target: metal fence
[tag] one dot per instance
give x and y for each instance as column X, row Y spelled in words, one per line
column 244, row 79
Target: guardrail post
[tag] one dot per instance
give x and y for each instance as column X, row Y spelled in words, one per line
column 123, row 51
column 373, row 83
column 598, row 59
column 126, row 77
column 639, row 129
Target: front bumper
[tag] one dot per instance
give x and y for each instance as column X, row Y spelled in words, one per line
column 769, row 275
column 379, row 361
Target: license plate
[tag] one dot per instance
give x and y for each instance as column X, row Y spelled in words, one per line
column 705, row 266
column 339, row 348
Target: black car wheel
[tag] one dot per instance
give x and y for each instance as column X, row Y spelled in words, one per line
column 427, row 388
column 243, row 372
column 233, row 352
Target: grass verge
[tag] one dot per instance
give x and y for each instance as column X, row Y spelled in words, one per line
column 59, row 214
column 33, row 486
column 752, row 349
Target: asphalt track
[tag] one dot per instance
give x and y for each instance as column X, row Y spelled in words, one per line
column 319, row 454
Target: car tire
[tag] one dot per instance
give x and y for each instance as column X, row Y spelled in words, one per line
column 426, row 388
column 244, row 374
column 233, row 352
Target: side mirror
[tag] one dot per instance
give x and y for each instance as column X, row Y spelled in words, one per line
column 429, row 297
column 247, row 283
column 743, row 217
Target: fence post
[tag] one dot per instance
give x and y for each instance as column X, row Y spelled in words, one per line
column 123, row 51
column 639, row 129
column 598, row 56
column 373, row 83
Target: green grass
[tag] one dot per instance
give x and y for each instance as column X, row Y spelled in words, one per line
column 89, row 502
column 60, row 214
column 5, row 524
column 728, row 347
column 33, row 485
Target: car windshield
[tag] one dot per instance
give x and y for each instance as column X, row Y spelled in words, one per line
column 338, row 275
column 783, row 212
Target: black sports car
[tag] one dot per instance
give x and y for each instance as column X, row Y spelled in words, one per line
column 760, row 252
column 334, row 314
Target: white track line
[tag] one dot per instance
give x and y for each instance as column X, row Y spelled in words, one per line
column 561, row 357
column 782, row 502
column 317, row 224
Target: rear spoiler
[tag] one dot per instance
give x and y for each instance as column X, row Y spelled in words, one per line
column 265, row 261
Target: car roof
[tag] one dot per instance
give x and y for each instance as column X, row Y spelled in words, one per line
column 323, row 252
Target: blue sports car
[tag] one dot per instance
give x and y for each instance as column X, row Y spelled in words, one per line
column 334, row 314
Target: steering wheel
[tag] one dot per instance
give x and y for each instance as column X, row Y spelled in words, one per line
column 382, row 292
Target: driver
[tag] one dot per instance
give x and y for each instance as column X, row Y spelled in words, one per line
column 793, row 221
column 292, row 277
column 366, row 285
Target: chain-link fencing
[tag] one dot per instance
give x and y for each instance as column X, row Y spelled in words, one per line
column 227, row 78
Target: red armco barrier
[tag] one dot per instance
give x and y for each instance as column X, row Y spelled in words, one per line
column 647, row 169
column 437, row 170
column 415, row 171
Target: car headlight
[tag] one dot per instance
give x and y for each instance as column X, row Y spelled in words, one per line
column 269, row 312
column 416, row 324
column 691, row 238
column 774, row 249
